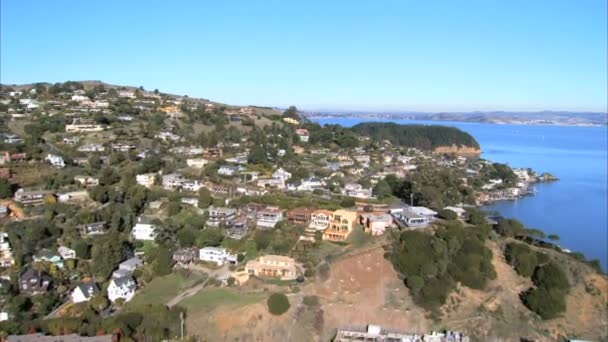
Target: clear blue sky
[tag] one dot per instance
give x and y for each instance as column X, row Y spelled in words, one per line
column 373, row 55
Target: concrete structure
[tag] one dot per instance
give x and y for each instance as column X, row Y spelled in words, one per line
column 375, row 224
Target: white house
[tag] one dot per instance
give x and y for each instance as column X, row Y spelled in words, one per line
column 197, row 163
column 130, row 265
column 146, row 179
column 121, row 288
column 214, row 254
column 66, row 253
column 281, row 174
column 84, row 292
column 55, row 160
column 269, row 217
column 319, row 219
column 143, row 230
column 229, row 170
column 357, row 191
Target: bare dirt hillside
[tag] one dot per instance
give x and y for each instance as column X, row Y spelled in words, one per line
column 362, row 288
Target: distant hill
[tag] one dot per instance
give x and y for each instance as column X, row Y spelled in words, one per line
column 418, row 136
column 494, row 117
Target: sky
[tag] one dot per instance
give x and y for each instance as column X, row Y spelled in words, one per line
column 515, row 55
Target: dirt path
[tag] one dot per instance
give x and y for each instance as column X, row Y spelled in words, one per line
column 193, row 290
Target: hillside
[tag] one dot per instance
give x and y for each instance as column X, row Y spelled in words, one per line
column 418, row 136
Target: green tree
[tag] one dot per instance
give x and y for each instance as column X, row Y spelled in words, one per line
column 6, row 189
column 382, row 189
column 204, row 198
column 278, row 304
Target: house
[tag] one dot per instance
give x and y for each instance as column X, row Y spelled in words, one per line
column 31, row 197
column 84, row 292
column 357, row 191
column 377, row 333
column 6, row 253
column 229, row 170
column 123, row 147
column 130, row 265
column 95, row 228
column 427, row 213
column 270, row 182
column 375, row 224
column 144, row 229
column 47, row 255
column 214, row 254
column 33, row 282
column 126, row 93
column 197, row 163
column 193, row 201
column 86, row 181
column 184, row 256
column 146, row 179
column 237, row 229
column 191, row 185
column 251, row 190
column 66, row 253
column 91, row 148
column 55, row 160
column 123, row 287
column 299, row 216
column 269, row 217
column 303, row 134
column 341, row 224
column 82, row 126
column 172, row 181
column 275, row 266
column 411, row 218
column 220, row 215
column 319, row 219
column 308, row 184
column 281, row 174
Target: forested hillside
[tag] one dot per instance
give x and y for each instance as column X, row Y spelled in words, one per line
column 418, row 136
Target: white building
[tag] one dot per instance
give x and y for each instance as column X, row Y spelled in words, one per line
column 121, row 288
column 228, row 170
column 214, row 254
column 319, row 219
column 91, row 148
column 55, row 160
column 281, row 174
column 66, row 253
column 357, row 191
column 143, row 230
column 197, row 163
column 269, row 217
column 146, row 179
column 84, row 292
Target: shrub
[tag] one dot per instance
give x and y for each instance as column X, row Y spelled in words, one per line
column 447, row 214
column 278, row 304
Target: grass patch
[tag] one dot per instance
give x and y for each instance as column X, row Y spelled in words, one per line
column 162, row 289
column 210, row 298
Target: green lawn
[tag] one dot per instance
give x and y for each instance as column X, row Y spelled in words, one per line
column 209, row 298
column 162, row 289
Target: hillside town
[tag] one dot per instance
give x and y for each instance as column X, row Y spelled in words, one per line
column 107, row 189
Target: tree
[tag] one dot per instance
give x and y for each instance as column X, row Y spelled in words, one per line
column 204, row 198
column 447, row 214
column 278, row 304
column 347, row 202
column 6, row 189
column 82, row 249
column 99, row 303
column 163, row 261
column 382, row 189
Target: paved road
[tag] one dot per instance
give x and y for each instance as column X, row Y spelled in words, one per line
column 222, row 272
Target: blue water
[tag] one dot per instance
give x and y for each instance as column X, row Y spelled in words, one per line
column 576, row 206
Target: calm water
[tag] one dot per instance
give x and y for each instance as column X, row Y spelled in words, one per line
column 575, row 207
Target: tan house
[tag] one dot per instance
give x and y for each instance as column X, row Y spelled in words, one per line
column 340, row 225
column 275, row 266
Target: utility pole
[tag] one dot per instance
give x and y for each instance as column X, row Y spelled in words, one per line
column 181, row 318
column 412, row 199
